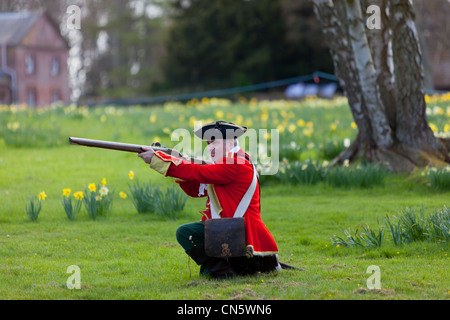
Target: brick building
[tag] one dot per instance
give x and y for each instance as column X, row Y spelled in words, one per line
column 33, row 65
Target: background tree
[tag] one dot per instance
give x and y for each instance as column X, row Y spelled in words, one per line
column 118, row 50
column 125, row 46
column 434, row 27
column 223, row 43
column 381, row 72
column 124, row 49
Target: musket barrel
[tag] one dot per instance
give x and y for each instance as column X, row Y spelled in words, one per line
column 109, row 145
column 135, row 148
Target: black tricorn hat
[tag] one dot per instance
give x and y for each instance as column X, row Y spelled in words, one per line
column 220, row 130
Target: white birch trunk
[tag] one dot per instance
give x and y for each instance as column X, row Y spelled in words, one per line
column 368, row 77
column 380, row 43
column 332, row 20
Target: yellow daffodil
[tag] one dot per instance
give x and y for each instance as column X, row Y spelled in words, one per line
column 353, row 125
column 433, row 127
column 447, row 128
column 78, row 195
column 104, row 182
column 42, row 195
column 131, row 174
column 291, row 128
column 333, row 127
column 301, row 122
column 308, row 132
column 219, row 114
column 438, row 110
column 92, row 187
column 66, row 192
column 123, row 195
column 152, row 118
column 14, row 126
column 264, row 116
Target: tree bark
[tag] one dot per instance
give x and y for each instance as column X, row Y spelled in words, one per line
column 382, row 76
column 381, row 132
column 345, row 69
column 412, row 127
column 380, row 43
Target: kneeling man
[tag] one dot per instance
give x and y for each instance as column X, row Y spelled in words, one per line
column 226, row 183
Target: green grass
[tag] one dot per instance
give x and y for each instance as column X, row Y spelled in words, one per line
column 127, row 255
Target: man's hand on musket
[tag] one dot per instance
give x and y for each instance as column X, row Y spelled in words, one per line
column 147, row 155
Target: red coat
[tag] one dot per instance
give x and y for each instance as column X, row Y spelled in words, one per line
column 228, row 182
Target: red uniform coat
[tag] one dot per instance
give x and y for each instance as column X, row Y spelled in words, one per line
column 225, row 184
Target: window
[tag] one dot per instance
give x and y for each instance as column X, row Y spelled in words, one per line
column 4, row 95
column 31, row 97
column 54, row 71
column 55, row 96
column 30, row 64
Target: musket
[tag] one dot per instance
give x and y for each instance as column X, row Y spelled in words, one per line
column 135, row 148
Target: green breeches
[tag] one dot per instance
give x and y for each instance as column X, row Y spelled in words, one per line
column 191, row 234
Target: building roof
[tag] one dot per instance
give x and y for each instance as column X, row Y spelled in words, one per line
column 15, row 26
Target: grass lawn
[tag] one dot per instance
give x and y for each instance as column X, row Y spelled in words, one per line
column 127, row 255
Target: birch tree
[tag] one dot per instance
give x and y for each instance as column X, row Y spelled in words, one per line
column 379, row 66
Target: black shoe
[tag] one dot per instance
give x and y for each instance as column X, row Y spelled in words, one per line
column 218, row 268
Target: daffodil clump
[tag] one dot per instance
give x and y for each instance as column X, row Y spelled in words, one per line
column 142, row 196
column 97, row 199
column 72, row 203
column 167, row 203
column 34, row 206
column 311, row 172
column 409, row 226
